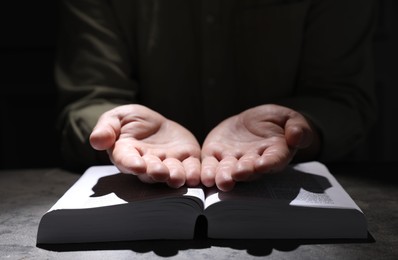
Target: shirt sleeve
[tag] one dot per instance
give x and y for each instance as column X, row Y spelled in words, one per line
column 93, row 74
column 335, row 87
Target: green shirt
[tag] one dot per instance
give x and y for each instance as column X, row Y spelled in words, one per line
column 199, row 62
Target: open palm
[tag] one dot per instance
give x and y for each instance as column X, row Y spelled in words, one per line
column 142, row 142
column 257, row 141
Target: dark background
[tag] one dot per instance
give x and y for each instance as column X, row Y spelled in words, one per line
column 27, row 92
column 28, row 95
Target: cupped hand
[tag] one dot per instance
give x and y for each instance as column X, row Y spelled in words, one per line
column 140, row 141
column 260, row 140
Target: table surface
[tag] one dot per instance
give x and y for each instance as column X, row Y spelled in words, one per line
column 26, row 194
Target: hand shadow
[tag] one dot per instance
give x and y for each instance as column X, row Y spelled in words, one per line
column 129, row 188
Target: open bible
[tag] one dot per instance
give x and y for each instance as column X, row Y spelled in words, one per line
column 303, row 202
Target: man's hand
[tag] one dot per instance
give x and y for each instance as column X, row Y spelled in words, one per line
column 259, row 140
column 142, row 142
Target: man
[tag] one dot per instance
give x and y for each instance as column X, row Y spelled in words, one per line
column 259, row 82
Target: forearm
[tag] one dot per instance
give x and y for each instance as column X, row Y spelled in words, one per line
column 335, row 87
column 92, row 75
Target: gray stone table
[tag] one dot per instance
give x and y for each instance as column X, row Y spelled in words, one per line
column 26, row 194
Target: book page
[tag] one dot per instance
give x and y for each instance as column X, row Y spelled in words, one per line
column 103, row 186
column 307, row 184
column 334, row 191
column 303, row 201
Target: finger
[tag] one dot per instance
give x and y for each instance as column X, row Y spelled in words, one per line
column 208, row 171
column 177, row 172
column 156, row 169
column 127, row 158
column 223, row 177
column 105, row 132
column 184, row 151
column 212, row 149
column 131, row 164
column 192, row 171
column 245, row 167
column 298, row 132
column 145, row 178
column 274, row 158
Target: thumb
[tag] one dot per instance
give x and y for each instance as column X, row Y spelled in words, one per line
column 298, row 132
column 105, row 133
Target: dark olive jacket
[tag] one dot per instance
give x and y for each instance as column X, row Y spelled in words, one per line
column 199, row 62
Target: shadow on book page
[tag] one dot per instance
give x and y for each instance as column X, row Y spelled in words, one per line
column 129, row 188
column 289, row 187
